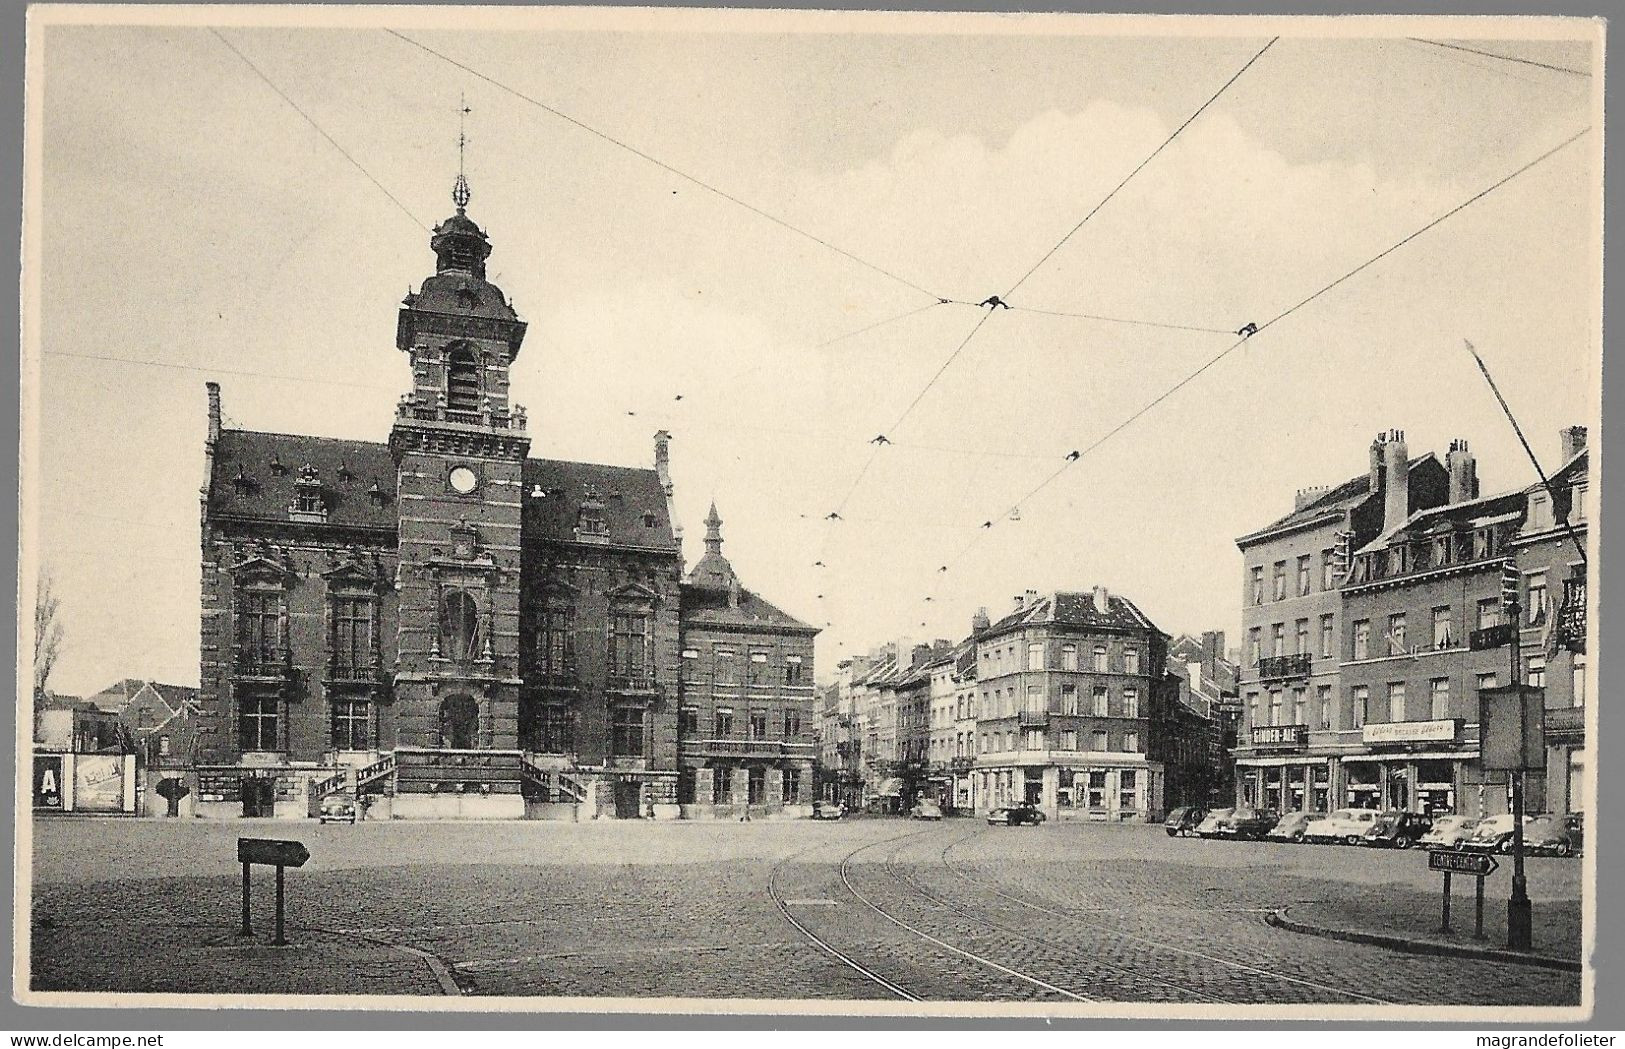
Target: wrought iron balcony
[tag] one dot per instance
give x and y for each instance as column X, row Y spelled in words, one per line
column 1565, row 720
column 1036, row 718
column 961, row 764
column 410, row 407
column 262, row 662
column 1275, row 668
column 641, row 681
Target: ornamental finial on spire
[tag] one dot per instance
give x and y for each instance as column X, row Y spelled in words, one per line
column 459, row 189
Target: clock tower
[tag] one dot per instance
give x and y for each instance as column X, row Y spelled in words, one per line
column 458, row 444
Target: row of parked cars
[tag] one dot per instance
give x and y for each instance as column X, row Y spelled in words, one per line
column 1557, row 835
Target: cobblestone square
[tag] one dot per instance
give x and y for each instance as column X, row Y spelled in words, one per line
column 876, row 909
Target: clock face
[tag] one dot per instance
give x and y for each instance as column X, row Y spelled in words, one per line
column 463, row 480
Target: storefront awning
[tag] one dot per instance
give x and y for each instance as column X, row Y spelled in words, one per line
column 889, row 788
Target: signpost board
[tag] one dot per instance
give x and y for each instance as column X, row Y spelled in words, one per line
column 1478, row 866
column 1512, row 728
column 48, row 786
column 271, row 852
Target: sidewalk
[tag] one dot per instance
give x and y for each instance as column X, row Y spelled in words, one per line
column 1410, row 921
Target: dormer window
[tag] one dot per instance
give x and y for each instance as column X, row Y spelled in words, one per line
column 462, row 380
column 590, row 523
column 277, row 468
column 467, row 299
column 307, row 504
column 345, row 474
column 377, row 495
column 242, row 484
column 648, row 520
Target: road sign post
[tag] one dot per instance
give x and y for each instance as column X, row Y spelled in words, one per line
column 1478, row 867
column 269, row 852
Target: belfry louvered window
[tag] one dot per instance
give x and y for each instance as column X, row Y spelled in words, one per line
column 462, row 380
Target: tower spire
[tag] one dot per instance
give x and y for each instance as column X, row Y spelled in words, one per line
column 459, row 189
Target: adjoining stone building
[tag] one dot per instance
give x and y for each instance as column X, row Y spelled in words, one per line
column 1068, row 684
column 443, row 624
column 746, row 728
column 1296, row 723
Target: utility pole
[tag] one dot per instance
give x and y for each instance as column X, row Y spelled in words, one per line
column 1520, row 922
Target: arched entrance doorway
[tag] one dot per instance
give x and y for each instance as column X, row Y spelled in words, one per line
column 459, row 719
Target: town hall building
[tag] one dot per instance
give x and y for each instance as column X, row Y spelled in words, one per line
column 443, row 626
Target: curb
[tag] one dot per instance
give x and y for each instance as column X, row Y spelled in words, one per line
column 1279, row 919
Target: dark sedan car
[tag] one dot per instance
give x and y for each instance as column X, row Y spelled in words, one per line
column 1015, row 815
column 1184, row 820
column 1399, row 830
column 1247, row 823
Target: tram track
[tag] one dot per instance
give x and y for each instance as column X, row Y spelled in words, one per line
column 919, row 888
column 1092, row 923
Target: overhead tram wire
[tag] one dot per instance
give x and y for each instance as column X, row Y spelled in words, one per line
column 346, row 154
column 1075, row 457
column 994, row 302
column 1123, row 320
column 657, row 162
column 144, row 362
column 1130, row 176
column 1504, row 58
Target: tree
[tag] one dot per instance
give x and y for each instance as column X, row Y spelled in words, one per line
column 48, row 633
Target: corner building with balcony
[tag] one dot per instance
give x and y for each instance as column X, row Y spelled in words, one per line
column 1296, row 725
column 442, row 624
column 1067, row 685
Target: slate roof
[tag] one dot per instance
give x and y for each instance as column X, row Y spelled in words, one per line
column 249, row 454
column 1346, row 496
column 706, row 607
column 1469, row 513
column 1076, row 609
column 627, row 494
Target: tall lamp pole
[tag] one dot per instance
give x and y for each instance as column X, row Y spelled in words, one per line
column 1520, row 921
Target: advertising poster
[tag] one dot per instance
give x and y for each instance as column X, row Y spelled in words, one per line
column 98, row 782
column 47, row 781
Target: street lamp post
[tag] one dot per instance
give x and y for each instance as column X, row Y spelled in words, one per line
column 1520, row 919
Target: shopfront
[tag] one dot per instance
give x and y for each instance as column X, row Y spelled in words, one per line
column 1279, row 774
column 1418, row 766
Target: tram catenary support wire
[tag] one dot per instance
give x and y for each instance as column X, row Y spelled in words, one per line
column 997, row 302
column 661, row 164
column 1076, row 456
column 319, row 129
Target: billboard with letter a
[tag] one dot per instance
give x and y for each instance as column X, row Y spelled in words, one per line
column 1512, row 728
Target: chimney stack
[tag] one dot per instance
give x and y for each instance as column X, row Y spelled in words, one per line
column 663, row 460
column 214, row 412
column 1032, row 598
column 1103, row 600
column 979, row 622
column 1463, row 472
column 1212, row 651
column 1396, row 505
column 1377, row 463
column 1574, row 441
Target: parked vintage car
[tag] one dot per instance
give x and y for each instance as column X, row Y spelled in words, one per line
column 1562, row 835
column 1398, row 829
column 1493, row 834
column 1448, row 832
column 1345, row 825
column 337, row 808
column 828, row 810
column 1291, row 826
column 1184, row 820
column 1247, row 823
column 1209, row 827
column 1015, row 815
column 925, row 809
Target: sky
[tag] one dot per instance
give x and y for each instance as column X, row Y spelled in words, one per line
column 194, row 226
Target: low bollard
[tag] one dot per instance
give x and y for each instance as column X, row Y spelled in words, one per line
column 269, row 852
